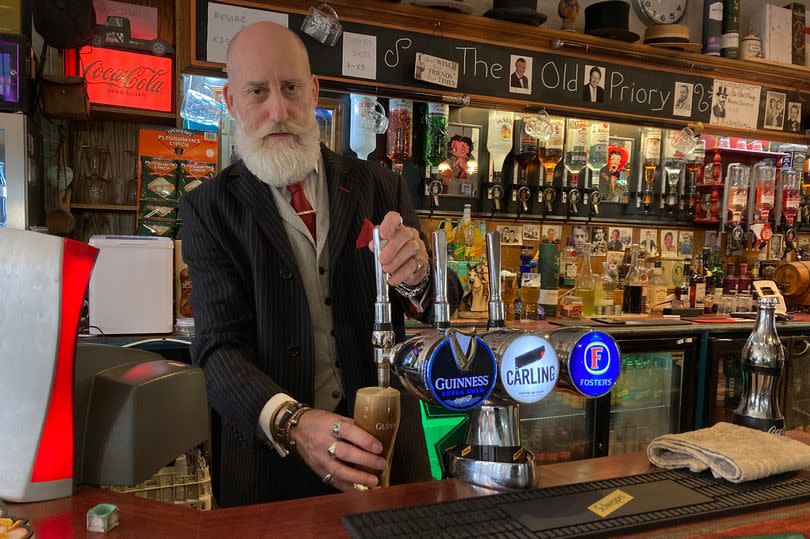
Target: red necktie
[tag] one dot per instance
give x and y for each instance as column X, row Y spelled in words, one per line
column 301, row 205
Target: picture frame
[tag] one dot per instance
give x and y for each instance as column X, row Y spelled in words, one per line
column 461, row 182
column 329, row 115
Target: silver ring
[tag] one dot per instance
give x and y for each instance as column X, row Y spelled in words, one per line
column 326, row 478
column 419, row 264
column 332, row 449
column 336, row 429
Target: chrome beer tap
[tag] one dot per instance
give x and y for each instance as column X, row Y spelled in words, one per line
column 382, row 337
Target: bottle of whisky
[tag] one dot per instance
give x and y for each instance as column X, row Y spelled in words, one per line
column 697, row 286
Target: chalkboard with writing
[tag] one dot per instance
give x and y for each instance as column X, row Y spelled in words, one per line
column 492, row 70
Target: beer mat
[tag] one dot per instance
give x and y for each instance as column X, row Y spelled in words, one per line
column 592, row 509
column 731, row 452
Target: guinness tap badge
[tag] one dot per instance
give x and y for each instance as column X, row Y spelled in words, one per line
column 461, row 372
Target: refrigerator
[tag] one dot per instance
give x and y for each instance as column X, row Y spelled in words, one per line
column 20, row 154
column 724, row 379
column 653, row 396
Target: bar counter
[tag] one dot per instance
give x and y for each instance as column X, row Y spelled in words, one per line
column 321, row 516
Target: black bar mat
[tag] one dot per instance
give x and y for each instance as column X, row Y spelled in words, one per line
column 633, row 503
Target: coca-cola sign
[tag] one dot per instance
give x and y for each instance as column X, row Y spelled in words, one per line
column 127, row 79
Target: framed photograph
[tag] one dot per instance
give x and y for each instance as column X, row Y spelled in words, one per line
column 511, row 235
column 669, row 244
column 685, row 247
column 531, row 232
column 683, row 99
column 599, row 240
column 649, row 241
column 774, row 110
column 775, row 247
column 581, row 237
column 329, row 115
column 619, row 238
column 794, row 117
column 552, row 233
column 461, row 179
column 520, row 80
column 593, row 84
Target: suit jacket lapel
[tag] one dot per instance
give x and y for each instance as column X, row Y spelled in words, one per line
column 343, row 194
column 256, row 197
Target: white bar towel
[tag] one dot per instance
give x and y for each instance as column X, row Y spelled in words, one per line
column 732, row 452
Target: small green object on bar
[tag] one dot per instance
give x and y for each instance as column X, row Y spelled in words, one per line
column 102, row 518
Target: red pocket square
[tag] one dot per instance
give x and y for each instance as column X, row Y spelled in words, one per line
column 366, row 234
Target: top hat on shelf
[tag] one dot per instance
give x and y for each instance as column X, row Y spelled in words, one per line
column 670, row 36
column 449, row 5
column 610, row 20
column 520, row 11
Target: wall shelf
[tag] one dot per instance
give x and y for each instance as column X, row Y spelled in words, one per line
column 103, row 207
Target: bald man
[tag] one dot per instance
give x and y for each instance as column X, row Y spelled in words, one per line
column 278, row 250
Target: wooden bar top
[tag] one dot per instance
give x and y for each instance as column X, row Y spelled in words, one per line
column 321, row 516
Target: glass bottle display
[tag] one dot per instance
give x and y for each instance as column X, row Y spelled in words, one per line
column 730, row 281
column 633, row 286
column 586, row 283
column 604, row 291
column 598, row 140
column 791, row 195
column 657, row 290
column 694, row 164
column 551, row 150
column 765, row 181
column 499, row 141
column 673, row 166
column 651, row 154
column 737, row 178
column 400, row 131
column 697, row 285
column 524, row 149
column 362, row 139
column 436, row 135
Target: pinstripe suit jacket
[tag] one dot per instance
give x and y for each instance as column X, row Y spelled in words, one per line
column 253, row 331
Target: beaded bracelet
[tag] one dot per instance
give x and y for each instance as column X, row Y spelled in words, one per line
column 292, row 423
column 285, row 411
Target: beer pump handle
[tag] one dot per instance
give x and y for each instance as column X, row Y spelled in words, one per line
column 382, row 337
column 441, row 308
column 496, row 308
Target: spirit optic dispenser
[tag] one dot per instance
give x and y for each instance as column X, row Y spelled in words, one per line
column 499, row 143
column 551, row 152
column 652, row 157
column 576, row 158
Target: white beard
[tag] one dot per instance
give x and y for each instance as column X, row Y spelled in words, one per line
column 280, row 163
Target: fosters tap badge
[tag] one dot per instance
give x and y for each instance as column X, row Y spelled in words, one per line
column 461, row 373
column 529, row 369
column 594, row 364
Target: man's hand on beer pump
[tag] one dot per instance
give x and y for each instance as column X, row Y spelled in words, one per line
column 333, row 447
column 404, row 258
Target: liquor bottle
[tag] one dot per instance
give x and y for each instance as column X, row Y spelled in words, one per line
column 569, row 264
column 549, row 277
column 551, row 150
column 362, row 139
column 711, row 283
column 524, row 148
column 604, row 291
column 460, row 237
column 436, row 136
column 586, row 283
column 737, row 176
column 652, row 157
column 633, row 293
column 599, row 138
column 790, row 195
column 657, row 290
column 682, row 290
column 730, row 281
column 499, row 141
column 712, row 26
column 763, row 360
column 697, row 286
column 694, row 164
column 730, row 38
column 765, row 177
column 744, row 280
column 400, row 132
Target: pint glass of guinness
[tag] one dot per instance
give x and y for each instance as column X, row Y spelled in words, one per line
column 376, row 411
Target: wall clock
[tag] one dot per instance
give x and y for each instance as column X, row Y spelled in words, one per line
column 662, row 11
